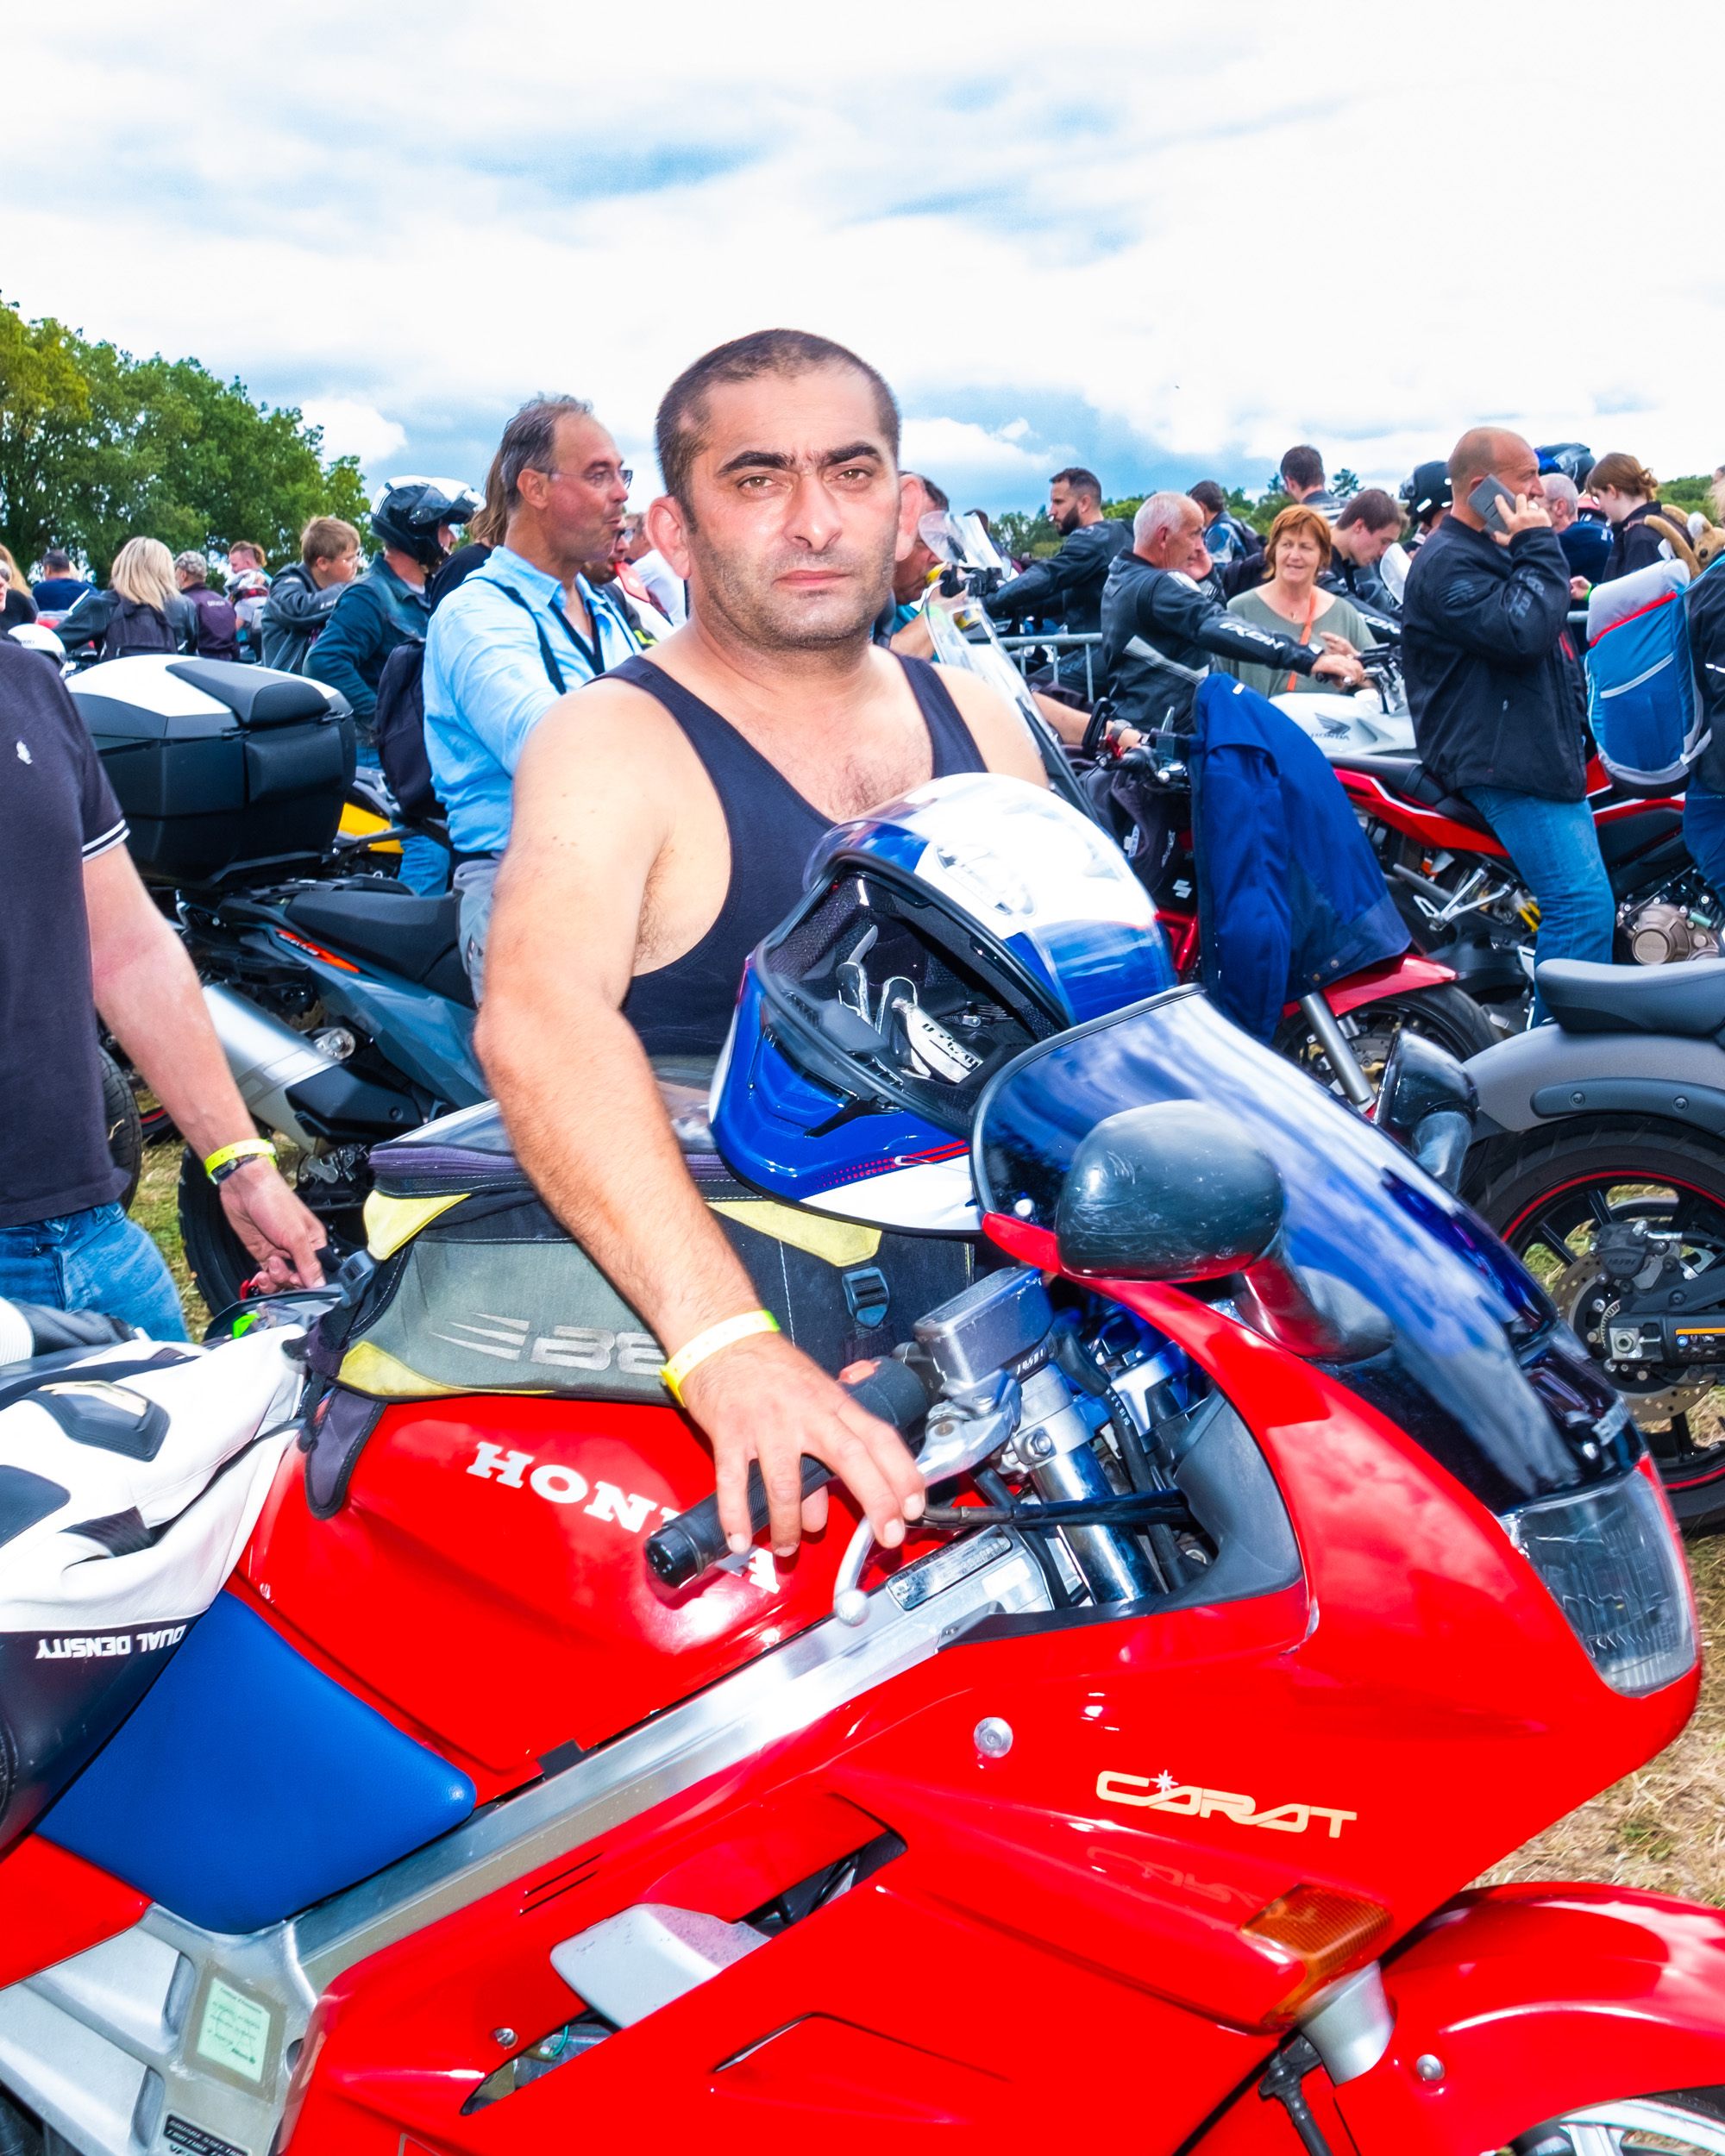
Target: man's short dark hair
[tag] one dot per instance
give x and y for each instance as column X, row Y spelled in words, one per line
column 1374, row 509
column 683, row 410
column 57, row 561
column 530, row 441
column 937, row 495
column 1303, row 466
column 1208, row 495
column 1080, row 482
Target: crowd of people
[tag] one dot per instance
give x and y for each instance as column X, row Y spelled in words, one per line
column 752, row 658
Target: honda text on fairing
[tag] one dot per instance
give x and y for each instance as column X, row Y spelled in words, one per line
column 1288, row 1563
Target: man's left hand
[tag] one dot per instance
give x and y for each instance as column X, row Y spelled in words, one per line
column 281, row 1234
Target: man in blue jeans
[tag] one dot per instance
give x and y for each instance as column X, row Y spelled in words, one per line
column 79, row 933
column 1495, row 691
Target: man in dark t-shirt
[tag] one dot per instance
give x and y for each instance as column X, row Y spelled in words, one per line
column 78, row 933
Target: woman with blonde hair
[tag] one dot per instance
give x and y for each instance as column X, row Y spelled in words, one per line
column 16, row 606
column 1292, row 602
column 140, row 611
column 1629, row 494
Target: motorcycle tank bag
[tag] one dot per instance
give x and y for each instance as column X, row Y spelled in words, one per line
column 224, row 771
column 130, row 1478
column 479, row 1288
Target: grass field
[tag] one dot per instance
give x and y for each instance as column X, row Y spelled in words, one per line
column 1662, row 1828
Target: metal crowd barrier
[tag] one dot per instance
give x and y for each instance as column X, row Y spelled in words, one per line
column 1022, row 651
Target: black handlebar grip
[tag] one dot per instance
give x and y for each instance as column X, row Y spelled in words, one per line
column 695, row 1542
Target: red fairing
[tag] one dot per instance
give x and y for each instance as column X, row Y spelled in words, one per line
column 1394, row 977
column 1372, row 797
column 1538, row 2000
column 484, row 1584
column 57, row 1905
column 1082, row 1898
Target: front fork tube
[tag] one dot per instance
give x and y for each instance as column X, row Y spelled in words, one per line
column 1331, row 1038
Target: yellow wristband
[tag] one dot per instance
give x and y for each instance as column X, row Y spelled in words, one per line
column 229, row 1156
column 709, row 1342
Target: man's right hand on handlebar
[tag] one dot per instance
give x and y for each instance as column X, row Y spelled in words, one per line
column 762, row 1399
column 1334, row 666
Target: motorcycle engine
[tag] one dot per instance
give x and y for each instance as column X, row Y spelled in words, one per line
column 1661, row 933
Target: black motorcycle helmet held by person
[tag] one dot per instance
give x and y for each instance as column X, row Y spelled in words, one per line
column 407, row 514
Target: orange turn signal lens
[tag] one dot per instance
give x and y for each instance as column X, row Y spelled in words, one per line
column 1327, row 1931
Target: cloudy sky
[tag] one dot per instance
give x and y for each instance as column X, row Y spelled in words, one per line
column 1163, row 242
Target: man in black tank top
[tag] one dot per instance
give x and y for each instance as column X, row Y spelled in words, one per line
column 662, row 818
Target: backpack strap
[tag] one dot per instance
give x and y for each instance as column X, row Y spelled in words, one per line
column 554, row 672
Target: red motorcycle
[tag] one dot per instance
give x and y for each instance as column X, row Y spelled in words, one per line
column 1344, row 1035
column 1287, row 1564
column 1467, row 907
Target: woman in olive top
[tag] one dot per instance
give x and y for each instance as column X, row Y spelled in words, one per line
column 1292, row 602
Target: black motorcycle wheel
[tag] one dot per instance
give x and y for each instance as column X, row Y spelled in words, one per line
column 1443, row 1015
column 219, row 1263
column 125, row 1133
column 1550, row 1193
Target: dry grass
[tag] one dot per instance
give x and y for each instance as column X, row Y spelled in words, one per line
column 156, row 1210
column 1662, row 1828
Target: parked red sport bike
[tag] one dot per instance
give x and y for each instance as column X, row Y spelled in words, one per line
column 1288, row 1566
column 1463, row 898
column 1343, row 1035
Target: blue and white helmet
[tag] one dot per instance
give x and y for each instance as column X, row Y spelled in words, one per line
column 940, row 935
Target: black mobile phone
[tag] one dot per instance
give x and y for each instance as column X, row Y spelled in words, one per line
column 1486, row 499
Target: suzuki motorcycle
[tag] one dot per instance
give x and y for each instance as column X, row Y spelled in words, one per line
column 1287, row 1563
column 1599, row 1157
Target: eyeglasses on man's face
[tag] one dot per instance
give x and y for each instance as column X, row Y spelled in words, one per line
column 596, row 475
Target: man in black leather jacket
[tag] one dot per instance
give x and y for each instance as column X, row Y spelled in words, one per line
column 1162, row 625
column 1068, row 588
column 1495, row 693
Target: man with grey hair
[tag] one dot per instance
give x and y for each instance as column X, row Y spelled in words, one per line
column 519, row 633
column 217, row 635
column 1162, row 625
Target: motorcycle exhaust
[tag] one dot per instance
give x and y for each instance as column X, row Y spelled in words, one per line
column 266, row 1057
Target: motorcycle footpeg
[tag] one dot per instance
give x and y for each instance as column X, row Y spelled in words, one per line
column 694, row 1543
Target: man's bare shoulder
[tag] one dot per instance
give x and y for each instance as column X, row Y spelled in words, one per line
column 999, row 730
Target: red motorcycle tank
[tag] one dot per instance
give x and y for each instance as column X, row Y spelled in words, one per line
column 494, row 1444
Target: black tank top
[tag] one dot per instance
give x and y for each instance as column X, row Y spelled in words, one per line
column 684, row 1009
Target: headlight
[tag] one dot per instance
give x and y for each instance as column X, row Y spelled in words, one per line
column 1616, row 1570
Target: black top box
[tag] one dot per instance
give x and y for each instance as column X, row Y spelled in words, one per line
column 226, row 772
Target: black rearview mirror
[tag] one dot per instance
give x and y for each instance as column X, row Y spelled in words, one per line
column 1169, row 1191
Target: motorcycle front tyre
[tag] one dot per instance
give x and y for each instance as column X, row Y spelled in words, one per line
column 1511, row 1180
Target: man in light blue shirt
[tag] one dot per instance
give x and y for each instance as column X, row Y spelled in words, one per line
column 519, row 633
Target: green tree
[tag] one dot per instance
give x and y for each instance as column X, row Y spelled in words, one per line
column 44, row 414
column 1019, row 532
column 1345, row 483
column 96, row 448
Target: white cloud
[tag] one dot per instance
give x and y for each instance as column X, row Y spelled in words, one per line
column 1163, row 239
column 353, row 429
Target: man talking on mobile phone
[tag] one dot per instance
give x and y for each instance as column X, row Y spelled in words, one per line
column 1495, row 687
